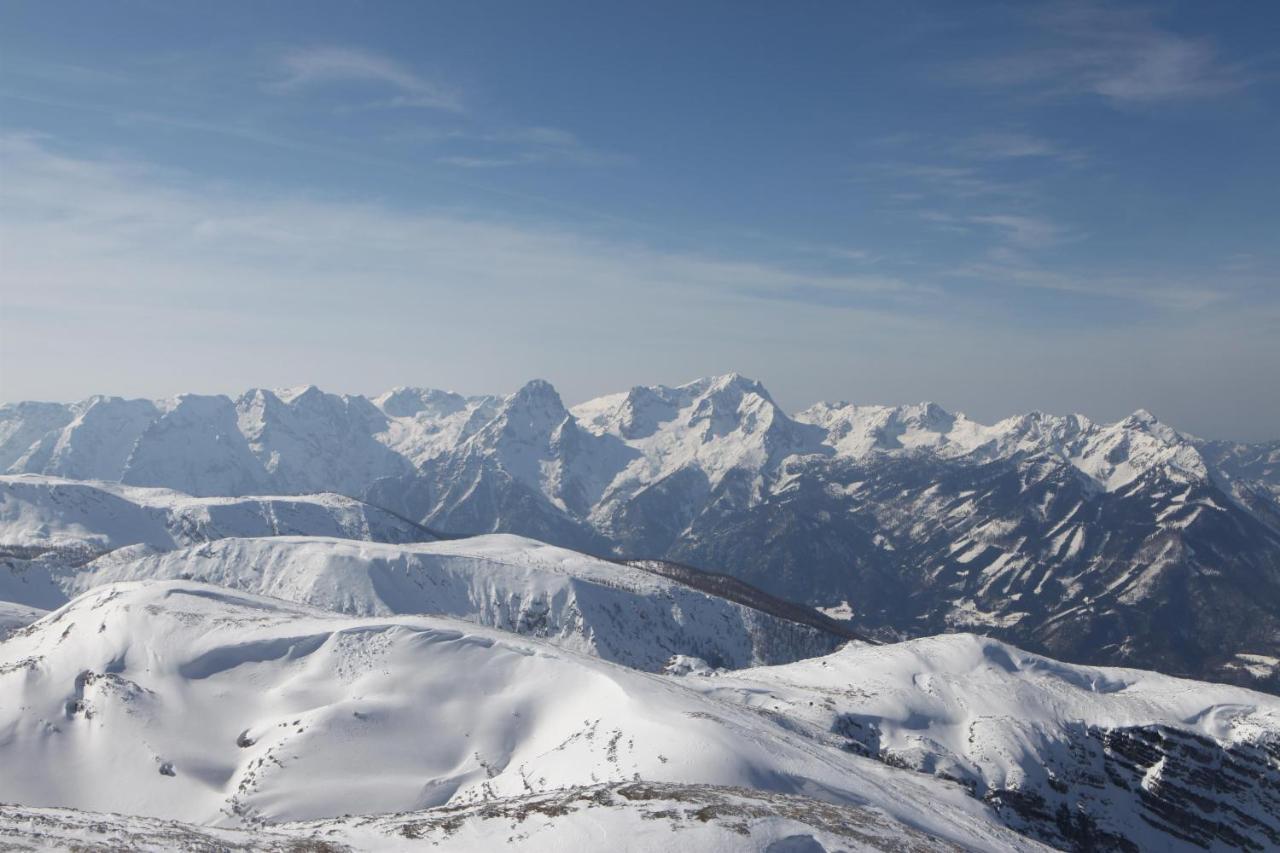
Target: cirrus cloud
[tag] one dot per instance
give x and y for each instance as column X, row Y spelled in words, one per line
column 305, row 67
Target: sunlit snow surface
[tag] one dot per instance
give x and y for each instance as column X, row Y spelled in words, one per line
column 474, row 686
column 611, row 610
column 187, row 701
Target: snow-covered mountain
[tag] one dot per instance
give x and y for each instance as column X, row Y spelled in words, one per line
column 51, row 526
column 1054, row 532
column 181, row 700
column 1078, row 757
column 613, row 611
column 60, row 537
column 54, row 512
column 192, row 702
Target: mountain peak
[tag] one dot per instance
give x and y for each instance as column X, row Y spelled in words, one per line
column 405, row 401
column 927, row 413
column 733, row 381
column 1141, row 416
column 535, row 409
column 729, row 396
column 299, row 392
column 536, row 391
column 726, row 380
column 1145, row 422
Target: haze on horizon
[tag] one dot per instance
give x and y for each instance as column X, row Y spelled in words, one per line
column 1066, row 207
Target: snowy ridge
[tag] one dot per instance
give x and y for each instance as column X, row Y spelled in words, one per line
column 53, row 512
column 1112, row 455
column 303, row 439
column 715, row 425
column 636, row 817
column 50, row 526
column 14, row 616
column 424, row 423
column 310, row 441
column 1075, row 756
column 228, row 709
column 596, row 607
column 218, row 707
column 1057, row 533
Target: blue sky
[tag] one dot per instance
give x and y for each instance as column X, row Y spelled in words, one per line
column 1069, row 207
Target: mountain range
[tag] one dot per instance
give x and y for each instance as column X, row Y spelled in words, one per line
column 1121, row 544
column 197, row 703
column 318, row 671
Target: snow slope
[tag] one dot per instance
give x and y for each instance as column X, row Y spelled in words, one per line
column 614, row 611
column 14, row 616
column 1073, row 755
column 50, row 526
column 310, row 441
column 193, row 702
column 52, row 512
column 423, row 423
column 714, row 425
column 96, row 441
column 632, row 816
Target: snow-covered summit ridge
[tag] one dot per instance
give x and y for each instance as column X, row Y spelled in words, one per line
column 193, row 702
column 205, row 704
column 54, row 512
column 1112, row 455
column 304, row 439
column 606, row 609
column 1127, row 753
column 60, row 537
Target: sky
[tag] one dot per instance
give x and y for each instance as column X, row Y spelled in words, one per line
column 999, row 207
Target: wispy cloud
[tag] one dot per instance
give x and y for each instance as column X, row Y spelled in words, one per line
column 842, row 253
column 1012, row 269
column 515, row 146
column 1026, row 232
column 463, row 161
column 954, row 181
column 1013, row 231
column 1013, row 146
column 306, row 67
column 476, row 144
column 85, row 235
column 109, row 262
column 1120, row 54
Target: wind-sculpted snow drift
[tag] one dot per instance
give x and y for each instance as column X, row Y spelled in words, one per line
column 1126, row 543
